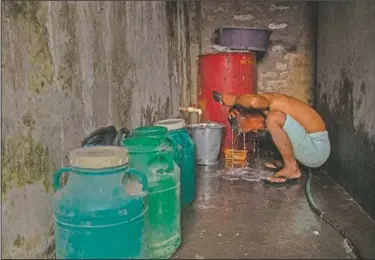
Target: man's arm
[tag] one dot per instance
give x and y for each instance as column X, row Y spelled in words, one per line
column 252, row 101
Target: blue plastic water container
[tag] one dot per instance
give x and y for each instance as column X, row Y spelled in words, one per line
column 100, row 212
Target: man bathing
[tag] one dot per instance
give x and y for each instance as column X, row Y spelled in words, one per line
column 297, row 130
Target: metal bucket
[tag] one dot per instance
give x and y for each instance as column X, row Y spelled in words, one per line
column 208, row 138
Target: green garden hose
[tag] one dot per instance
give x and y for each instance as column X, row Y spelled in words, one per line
column 349, row 239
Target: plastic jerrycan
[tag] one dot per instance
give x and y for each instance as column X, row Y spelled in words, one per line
column 161, row 133
column 164, row 221
column 186, row 147
column 96, row 217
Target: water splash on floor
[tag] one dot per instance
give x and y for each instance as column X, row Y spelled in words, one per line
column 245, row 173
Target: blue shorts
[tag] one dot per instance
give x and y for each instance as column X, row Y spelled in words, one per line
column 311, row 149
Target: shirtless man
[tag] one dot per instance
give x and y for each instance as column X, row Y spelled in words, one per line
column 297, row 130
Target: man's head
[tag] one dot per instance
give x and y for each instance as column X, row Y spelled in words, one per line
column 246, row 122
column 251, row 123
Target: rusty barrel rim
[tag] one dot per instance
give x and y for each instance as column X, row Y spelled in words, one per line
column 247, row 52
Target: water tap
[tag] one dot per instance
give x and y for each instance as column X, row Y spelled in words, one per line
column 191, row 110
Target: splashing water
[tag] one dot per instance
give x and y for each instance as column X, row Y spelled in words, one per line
column 255, row 143
column 230, row 163
column 233, row 171
column 236, row 140
column 255, row 173
column 245, row 173
column 232, row 139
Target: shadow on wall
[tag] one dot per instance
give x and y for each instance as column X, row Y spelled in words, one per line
column 351, row 162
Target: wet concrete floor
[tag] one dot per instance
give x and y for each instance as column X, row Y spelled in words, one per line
column 244, row 220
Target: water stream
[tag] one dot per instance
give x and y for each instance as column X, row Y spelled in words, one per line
column 234, row 142
column 253, row 171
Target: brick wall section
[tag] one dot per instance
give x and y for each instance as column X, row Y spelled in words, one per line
column 288, row 66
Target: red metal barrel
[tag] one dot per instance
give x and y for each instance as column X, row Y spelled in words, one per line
column 226, row 72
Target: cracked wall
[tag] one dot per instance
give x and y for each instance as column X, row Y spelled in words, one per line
column 346, row 94
column 69, row 68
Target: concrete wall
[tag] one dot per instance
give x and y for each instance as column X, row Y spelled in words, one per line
column 69, row 68
column 288, row 66
column 346, row 94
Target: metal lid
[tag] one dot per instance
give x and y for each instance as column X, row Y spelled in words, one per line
column 98, row 157
column 210, row 125
column 172, row 124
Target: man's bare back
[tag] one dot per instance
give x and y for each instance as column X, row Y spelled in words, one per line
column 301, row 111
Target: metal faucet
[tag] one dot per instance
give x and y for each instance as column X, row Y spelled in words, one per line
column 191, row 110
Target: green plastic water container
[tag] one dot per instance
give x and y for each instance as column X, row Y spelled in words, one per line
column 164, row 222
column 98, row 214
column 186, row 148
column 150, row 131
column 161, row 133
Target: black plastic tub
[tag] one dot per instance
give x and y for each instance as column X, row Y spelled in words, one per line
column 240, row 38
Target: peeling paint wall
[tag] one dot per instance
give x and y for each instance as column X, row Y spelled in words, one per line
column 288, row 66
column 69, row 68
column 346, row 94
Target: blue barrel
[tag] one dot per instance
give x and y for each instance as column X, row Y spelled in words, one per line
column 100, row 212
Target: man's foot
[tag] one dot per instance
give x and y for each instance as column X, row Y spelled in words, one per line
column 275, row 165
column 285, row 175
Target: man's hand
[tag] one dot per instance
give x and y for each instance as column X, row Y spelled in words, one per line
column 232, row 117
column 233, row 113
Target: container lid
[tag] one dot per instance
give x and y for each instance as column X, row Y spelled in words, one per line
column 150, row 131
column 98, row 157
column 172, row 124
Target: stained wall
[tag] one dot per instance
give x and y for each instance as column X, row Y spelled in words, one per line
column 346, row 94
column 69, row 68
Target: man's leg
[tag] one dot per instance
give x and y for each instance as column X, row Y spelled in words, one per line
column 275, row 123
column 276, row 164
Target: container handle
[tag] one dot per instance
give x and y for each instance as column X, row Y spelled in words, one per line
column 173, row 144
column 166, row 156
column 142, row 177
column 57, row 175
